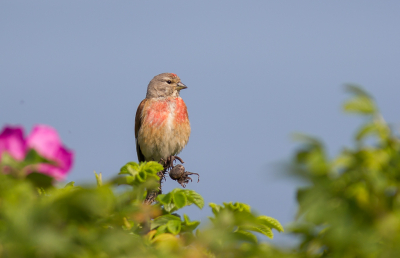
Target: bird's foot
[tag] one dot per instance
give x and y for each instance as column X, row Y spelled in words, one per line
column 169, row 162
column 179, row 174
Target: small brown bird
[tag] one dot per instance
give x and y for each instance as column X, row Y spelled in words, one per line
column 162, row 125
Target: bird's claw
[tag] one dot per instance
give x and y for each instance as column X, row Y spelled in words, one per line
column 169, row 162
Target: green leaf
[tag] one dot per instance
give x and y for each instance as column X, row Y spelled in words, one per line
column 361, row 103
column 130, row 179
column 366, row 130
column 247, row 236
column 237, row 206
column 170, row 207
column 356, row 90
column 188, row 225
column 70, row 185
column 174, row 226
column 270, row 222
column 130, row 168
column 180, row 199
column 99, row 179
column 162, row 229
column 141, row 177
column 123, row 170
column 263, row 230
column 33, row 157
column 195, row 198
column 151, row 167
column 164, row 198
column 215, row 208
column 377, row 128
column 163, row 220
column 306, row 139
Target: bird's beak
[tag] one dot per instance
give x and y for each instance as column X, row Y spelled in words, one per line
column 180, row 86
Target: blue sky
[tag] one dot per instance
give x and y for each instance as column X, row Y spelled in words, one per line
column 256, row 71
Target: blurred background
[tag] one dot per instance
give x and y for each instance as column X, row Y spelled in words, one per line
column 256, row 72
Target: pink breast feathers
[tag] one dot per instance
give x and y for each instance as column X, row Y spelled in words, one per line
column 157, row 113
column 181, row 114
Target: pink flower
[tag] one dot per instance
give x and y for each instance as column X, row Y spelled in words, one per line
column 12, row 141
column 45, row 141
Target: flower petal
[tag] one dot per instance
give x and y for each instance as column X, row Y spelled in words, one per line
column 64, row 160
column 12, row 141
column 45, row 140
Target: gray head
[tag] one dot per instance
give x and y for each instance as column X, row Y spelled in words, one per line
column 165, row 85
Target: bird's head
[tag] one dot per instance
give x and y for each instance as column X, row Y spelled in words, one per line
column 165, row 85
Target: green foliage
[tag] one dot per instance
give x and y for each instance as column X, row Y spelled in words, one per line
column 361, row 103
column 243, row 221
column 351, row 207
column 180, row 198
column 40, row 220
column 136, row 174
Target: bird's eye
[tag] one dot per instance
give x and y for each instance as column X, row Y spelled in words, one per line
column 169, row 82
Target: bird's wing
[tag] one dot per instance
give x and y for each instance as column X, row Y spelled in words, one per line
column 138, row 124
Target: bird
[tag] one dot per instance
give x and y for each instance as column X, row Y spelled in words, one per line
column 162, row 126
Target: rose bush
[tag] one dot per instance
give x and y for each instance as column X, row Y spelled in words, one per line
column 44, row 141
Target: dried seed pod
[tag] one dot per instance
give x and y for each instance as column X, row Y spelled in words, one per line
column 177, row 172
